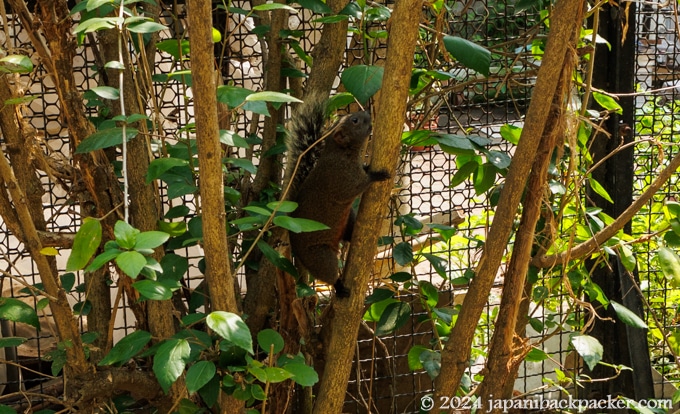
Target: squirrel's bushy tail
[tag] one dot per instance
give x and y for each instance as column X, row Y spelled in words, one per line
column 306, row 127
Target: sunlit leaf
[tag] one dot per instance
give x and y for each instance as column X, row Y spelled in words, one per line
column 169, row 361
column 232, row 328
column 589, row 348
column 85, row 244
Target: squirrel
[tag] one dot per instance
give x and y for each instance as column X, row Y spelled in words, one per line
column 328, row 180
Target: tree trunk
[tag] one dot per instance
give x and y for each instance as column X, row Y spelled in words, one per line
column 391, row 111
column 456, row 353
column 506, row 353
column 219, row 275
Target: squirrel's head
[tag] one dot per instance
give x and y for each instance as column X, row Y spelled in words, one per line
column 353, row 129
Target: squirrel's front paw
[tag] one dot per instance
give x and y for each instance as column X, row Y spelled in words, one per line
column 341, row 290
column 382, row 175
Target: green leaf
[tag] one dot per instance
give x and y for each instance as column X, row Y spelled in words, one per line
column 151, row 239
column 429, row 292
column 232, row 328
column 114, row 64
column 20, row 100
column 607, row 102
column 277, row 258
column 595, row 293
column 302, row 374
column 445, row 231
column 174, row 266
column 375, row 311
column 126, row 348
column 146, row 27
column 151, row 289
column 484, row 178
column 536, row 355
column 299, row 225
column 105, row 138
column 673, row 209
column 599, row 190
column 439, row 263
column 18, row 311
column 243, row 164
column 393, row 318
column 464, row 173
column 7, row 410
column 589, row 348
column 233, row 139
column 58, row 357
column 282, row 206
column 199, row 374
column 273, row 6
column 413, row 357
column 669, row 262
column 627, row 257
column 401, row 277
column 106, row 92
column 67, row 281
column 158, row 166
column 511, row 133
column 131, row 263
column 627, row 316
column 95, row 4
column 125, row 234
column 403, row 253
column 363, row 81
column 174, row 47
column 337, row 18
column 12, row 341
column 269, row 96
column 97, row 23
column 317, row 6
column 169, row 361
column 455, row 144
column 500, row 160
column 378, row 295
column 16, row 64
column 102, row 259
column 470, row 54
column 85, row 244
column 211, row 391
column 82, row 308
column 268, row 337
column 276, row 374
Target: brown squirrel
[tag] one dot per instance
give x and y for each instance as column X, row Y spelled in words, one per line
column 328, row 180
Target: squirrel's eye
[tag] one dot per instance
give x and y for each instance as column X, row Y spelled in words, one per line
column 355, row 120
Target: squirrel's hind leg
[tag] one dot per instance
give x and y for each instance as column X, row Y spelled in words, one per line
column 322, row 263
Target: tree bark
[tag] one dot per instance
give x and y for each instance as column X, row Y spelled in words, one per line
column 391, row 110
column 328, row 53
column 506, row 353
column 456, row 353
column 219, row 275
